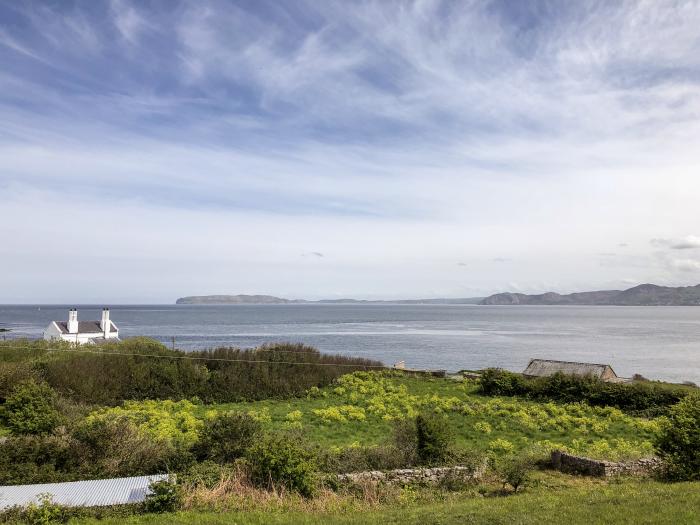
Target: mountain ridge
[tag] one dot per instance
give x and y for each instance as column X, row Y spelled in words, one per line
column 641, row 295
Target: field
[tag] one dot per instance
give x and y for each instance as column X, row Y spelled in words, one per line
column 360, row 408
column 585, row 502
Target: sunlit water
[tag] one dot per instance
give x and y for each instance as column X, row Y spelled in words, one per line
column 657, row 342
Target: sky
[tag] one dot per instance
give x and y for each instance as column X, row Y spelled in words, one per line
column 388, row 149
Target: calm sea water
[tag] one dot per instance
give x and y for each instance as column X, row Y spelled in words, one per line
column 658, row 342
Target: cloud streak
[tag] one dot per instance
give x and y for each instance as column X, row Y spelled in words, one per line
column 414, row 131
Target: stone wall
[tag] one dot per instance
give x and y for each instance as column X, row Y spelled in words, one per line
column 595, row 467
column 418, row 475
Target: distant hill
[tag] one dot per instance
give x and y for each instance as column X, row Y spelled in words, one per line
column 270, row 299
column 642, row 295
column 233, row 299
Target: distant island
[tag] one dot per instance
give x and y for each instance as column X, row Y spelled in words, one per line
column 270, row 299
column 642, row 295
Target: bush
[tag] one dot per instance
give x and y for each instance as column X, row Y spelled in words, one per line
column 31, row 409
column 405, row 441
column 117, row 448
column 679, row 440
column 497, row 382
column 643, row 398
column 514, row 469
column 227, row 437
column 434, row 439
column 36, row 459
column 280, row 461
column 165, row 496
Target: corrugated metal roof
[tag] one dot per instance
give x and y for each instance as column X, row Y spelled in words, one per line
column 546, row 367
column 92, row 493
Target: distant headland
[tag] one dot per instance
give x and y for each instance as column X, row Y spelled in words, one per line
column 642, row 295
column 270, row 299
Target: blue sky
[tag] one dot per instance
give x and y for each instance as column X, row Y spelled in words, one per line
column 367, row 149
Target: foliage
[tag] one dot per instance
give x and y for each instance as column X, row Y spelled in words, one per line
column 31, row 409
column 165, row 496
column 166, row 422
column 642, row 397
column 45, row 512
column 127, row 370
column 205, row 473
column 227, row 436
column 515, row 469
column 434, row 439
column 279, row 460
column 679, row 440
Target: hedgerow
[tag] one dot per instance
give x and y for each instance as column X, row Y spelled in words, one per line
column 644, row 398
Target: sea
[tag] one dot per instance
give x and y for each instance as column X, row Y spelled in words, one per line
column 657, row 342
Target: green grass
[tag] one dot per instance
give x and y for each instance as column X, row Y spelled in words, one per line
column 628, row 502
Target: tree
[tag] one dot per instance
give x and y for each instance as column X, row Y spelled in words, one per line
column 31, row 409
column 679, row 440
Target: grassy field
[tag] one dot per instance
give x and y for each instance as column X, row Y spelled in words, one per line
column 360, row 408
column 630, row 502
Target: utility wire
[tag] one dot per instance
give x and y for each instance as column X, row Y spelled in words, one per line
column 249, row 350
column 260, row 361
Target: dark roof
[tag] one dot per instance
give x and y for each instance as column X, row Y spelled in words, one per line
column 546, row 367
column 86, row 327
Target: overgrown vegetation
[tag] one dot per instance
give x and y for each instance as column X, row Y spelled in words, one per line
column 275, row 445
column 679, row 440
column 643, row 398
column 141, row 368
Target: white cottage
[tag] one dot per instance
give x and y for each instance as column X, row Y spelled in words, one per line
column 84, row 331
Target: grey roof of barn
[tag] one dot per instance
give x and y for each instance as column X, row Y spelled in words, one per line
column 546, row 367
column 86, row 327
column 92, row 493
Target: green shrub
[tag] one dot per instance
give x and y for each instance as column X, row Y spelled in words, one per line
column 279, row 460
column 165, row 496
column 405, row 441
column 227, row 437
column 117, row 448
column 497, row 382
column 643, row 398
column 679, row 440
column 434, row 439
column 515, row 469
column 36, row 459
column 31, row 409
column 45, row 513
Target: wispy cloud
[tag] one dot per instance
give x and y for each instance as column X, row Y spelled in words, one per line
column 387, row 133
column 687, row 243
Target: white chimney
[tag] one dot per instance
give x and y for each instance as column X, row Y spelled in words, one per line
column 72, row 321
column 105, row 324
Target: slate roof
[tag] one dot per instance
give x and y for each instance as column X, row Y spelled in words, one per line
column 93, row 493
column 547, row 367
column 85, row 327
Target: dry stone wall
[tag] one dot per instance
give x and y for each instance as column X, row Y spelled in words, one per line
column 410, row 476
column 594, row 467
